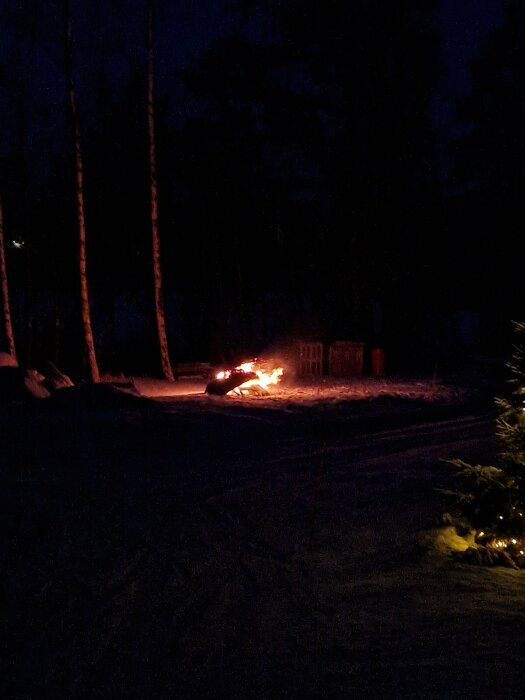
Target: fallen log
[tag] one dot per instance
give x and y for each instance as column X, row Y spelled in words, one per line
column 55, row 379
column 18, row 384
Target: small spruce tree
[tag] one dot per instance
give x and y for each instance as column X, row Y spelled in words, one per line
column 489, row 501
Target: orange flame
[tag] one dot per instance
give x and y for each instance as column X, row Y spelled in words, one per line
column 264, row 378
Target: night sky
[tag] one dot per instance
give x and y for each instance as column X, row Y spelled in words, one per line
column 344, row 172
column 115, row 38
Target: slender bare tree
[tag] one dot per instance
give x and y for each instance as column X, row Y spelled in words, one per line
column 157, row 272
column 6, row 308
column 79, row 182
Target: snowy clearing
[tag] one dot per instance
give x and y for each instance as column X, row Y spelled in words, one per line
column 217, row 547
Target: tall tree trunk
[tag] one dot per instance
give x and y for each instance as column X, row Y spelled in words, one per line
column 29, row 306
column 89, row 344
column 157, row 272
column 25, row 66
column 6, row 309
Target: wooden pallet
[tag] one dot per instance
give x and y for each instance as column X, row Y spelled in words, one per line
column 345, row 359
column 310, row 359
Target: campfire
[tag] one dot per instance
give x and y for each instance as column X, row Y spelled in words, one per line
column 248, row 378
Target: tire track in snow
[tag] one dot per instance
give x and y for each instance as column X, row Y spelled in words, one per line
column 411, row 449
column 397, row 440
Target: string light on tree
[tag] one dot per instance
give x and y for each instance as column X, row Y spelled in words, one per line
column 490, row 500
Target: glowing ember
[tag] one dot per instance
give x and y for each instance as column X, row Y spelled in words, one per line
column 262, row 381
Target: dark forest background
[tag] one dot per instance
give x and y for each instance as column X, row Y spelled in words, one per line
column 307, row 188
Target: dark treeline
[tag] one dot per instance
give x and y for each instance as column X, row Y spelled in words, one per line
column 300, row 187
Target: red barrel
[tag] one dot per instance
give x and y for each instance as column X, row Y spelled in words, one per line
column 377, row 362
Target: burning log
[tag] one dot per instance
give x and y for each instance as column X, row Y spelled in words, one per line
column 228, row 381
column 249, row 377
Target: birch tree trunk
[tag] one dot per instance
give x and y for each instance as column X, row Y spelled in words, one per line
column 157, row 272
column 89, row 344
column 6, row 308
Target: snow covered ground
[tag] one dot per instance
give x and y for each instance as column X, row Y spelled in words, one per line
column 190, row 546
